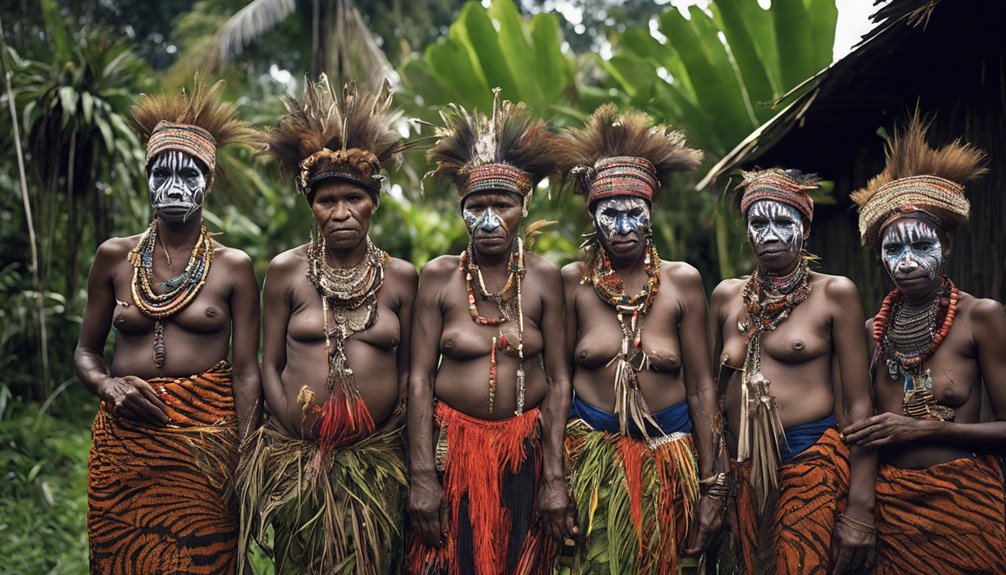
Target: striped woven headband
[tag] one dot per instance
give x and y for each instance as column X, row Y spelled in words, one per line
column 776, row 185
column 623, row 176
column 354, row 165
column 933, row 194
column 496, row 177
column 183, row 138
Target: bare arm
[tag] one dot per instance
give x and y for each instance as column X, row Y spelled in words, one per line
column 854, row 547
column 426, row 497
column 244, row 346
column 409, row 285
column 554, row 500
column 570, row 281
column 275, row 317
column 132, row 395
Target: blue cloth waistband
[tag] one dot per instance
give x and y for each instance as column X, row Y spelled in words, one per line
column 671, row 419
column 802, row 436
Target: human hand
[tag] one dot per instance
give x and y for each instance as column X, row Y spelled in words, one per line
column 854, row 542
column 710, row 521
column 134, row 398
column 557, row 512
column 885, row 429
column 428, row 509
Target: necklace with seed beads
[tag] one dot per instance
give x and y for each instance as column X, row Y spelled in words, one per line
column 351, row 295
column 182, row 289
column 768, row 301
column 510, row 308
column 630, row 311
column 906, row 337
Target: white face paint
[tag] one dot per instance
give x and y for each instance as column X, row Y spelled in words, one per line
column 911, row 247
column 775, row 228
column 622, row 216
column 177, row 186
column 486, row 220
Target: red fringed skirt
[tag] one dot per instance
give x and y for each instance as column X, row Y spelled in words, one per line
column 158, row 498
column 947, row 519
column 490, row 472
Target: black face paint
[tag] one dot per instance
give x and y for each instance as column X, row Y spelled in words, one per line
column 910, row 245
column 487, row 220
column 177, row 186
column 775, row 227
column 622, row 216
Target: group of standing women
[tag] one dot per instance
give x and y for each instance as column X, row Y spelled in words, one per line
column 558, row 421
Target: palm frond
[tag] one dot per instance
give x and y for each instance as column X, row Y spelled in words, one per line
column 248, row 25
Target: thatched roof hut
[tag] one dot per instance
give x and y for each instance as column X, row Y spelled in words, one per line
column 949, row 57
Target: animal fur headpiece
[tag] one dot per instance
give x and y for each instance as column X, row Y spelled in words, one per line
column 918, row 178
column 510, row 151
column 621, row 155
column 790, row 187
column 323, row 137
column 195, row 123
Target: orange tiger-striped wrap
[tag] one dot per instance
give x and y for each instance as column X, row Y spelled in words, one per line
column 947, row 519
column 490, row 478
column 160, row 498
column 813, row 490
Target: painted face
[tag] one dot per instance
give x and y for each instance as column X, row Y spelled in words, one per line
column 775, row 231
column 622, row 218
column 492, row 219
column 911, row 250
column 177, row 186
column 343, row 212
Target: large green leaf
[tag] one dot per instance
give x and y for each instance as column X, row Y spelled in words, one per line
column 475, row 28
column 750, row 66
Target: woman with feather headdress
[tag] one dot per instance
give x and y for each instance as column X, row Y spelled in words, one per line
column 635, row 327
column 779, row 336
column 940, row 496
column 327, row 471
column 166, row 437
column 486, row 442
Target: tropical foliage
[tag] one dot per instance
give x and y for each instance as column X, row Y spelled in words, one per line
column 73, row 72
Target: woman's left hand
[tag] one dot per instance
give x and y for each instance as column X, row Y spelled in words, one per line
column 710, row 521
column 886, row 429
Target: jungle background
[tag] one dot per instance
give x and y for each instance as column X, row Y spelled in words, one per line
column 71, row 166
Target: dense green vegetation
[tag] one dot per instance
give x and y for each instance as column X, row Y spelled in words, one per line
column 72, row 69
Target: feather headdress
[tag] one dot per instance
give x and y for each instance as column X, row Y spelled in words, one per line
column 195, row 122
column 621, row 154
column 788, row 186
column 352, row 139
column 510, row 150
column 919, row 178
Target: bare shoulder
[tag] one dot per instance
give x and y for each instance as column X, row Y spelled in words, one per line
column 286, row 265
column 402, row 270
column 682, row 274
column 440, row 268
column 985, row 313
column 571, row 274
column 232, row 258
column 115, row 248
column 836, row 288
column 537, row 264
column 728, row 289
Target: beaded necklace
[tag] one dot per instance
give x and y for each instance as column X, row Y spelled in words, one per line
column 906, row 337
column 768, row 301
column 630, row 311
column 510, row 308
column 351, row 295
column 182, row 289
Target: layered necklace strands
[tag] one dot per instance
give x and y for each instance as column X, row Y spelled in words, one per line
column 508, row 301
column 350, row 295
column 906, row 337
column 630, row 311
column 768, row 301
column 182, row 289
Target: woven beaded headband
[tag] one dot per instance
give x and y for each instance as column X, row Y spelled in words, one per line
column 776, row 185
column 356, row 166
column 622, row 176
column 183, row 138
column 938, row 196
column 496, row 177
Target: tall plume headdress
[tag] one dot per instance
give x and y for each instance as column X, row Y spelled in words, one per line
column 623, row 155
column 921, row 180
column 509, row 151
column 352, row 139
column 196, row 123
